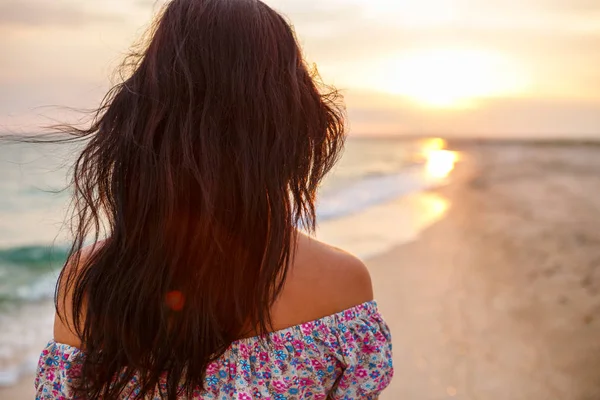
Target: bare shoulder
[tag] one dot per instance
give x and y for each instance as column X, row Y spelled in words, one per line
column 324, row 279
column 340, row 269
column 64, row 328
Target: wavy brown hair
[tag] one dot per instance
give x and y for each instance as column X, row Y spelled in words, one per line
column 200, row 165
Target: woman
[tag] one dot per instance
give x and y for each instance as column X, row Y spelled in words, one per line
column 198, row 169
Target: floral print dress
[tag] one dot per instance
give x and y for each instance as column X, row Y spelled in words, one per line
column 343, row 356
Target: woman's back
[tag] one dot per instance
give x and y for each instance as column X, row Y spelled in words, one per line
column 329, row 340
column 198, row 169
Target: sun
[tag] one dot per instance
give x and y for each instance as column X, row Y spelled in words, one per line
column 450, row 78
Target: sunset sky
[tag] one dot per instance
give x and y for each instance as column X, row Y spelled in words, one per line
column 500, row 68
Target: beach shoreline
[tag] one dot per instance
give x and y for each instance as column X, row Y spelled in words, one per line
column 500, row 299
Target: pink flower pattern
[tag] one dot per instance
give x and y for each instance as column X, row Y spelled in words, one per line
column 345, row 356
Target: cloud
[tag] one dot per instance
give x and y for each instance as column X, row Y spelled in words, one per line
column 49, row 13
column 519, row 117
column 556, row 41
column 364, row 41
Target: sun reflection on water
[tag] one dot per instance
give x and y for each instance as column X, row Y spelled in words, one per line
column 440, row 162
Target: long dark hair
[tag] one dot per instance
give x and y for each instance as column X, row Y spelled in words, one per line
column 200, row 165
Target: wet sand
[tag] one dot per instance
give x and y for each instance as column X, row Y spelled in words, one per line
column 24, row 390
column 501, row 299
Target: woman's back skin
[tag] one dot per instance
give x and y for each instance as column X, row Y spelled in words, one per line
column 323, row 280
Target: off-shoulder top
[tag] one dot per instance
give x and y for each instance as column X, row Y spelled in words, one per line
column 347, row 355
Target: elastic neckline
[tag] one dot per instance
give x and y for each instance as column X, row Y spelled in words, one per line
column 365, row 309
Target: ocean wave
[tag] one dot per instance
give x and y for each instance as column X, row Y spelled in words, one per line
column 33, row 257
column 374, row 189
column 41, row 288
column 29, row 273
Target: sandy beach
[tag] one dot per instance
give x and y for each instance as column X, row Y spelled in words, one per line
column 23, row 391
column 500, row 300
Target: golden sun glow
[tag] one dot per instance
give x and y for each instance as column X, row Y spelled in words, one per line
column 439, row 161
column 451, row 78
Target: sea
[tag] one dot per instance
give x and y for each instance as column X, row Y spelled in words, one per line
column 377, row 197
